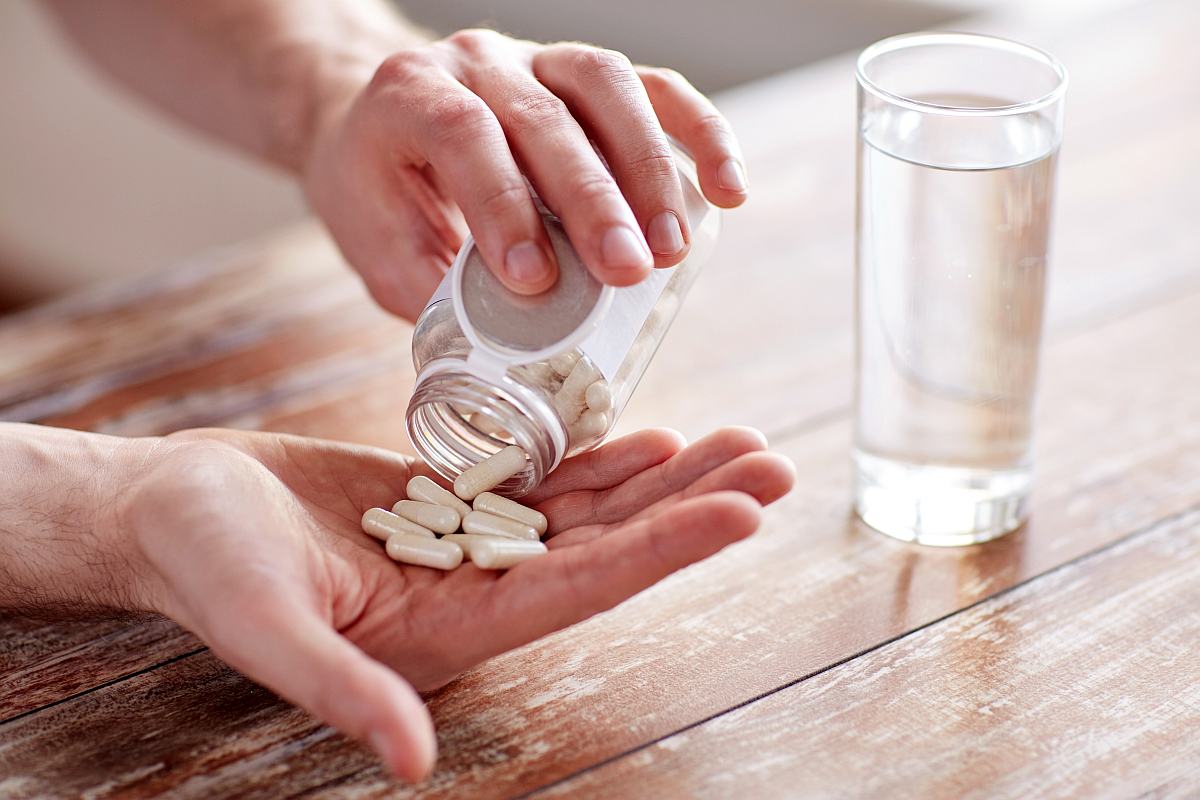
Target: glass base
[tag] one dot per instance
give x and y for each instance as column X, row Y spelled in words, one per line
column 942, row 506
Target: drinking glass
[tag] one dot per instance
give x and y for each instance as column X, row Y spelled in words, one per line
column 958, row 136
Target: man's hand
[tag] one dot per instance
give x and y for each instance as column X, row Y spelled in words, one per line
column 399, row 139
column 252, row 541
column 455, row 125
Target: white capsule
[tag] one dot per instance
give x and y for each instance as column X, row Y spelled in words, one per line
column 563, row 363
column 541, row 375
column 490, row 473
column 569, row 407
column 495, row 553
column 599, row 396
column 583, row 375
column 467, row 541
column 439, row 519
column 489, row 426
column 589, row 425
column 424, row 552
column 425, row 490
column 491, row 503
column 491, row 525
column 381, row 523
column 663, row 312
column 571, row 399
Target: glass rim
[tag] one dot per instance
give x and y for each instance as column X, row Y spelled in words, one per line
column 924, row 38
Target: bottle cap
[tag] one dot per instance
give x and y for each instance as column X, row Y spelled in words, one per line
column 506, row 328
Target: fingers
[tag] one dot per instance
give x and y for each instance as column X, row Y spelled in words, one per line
column 691, row 118
column 764, row 476
column 395, row 228
column 295, row 654
column 609, row 465
column 653, row 483
column 569, row 177
column 481, row 108
column 571, row 584
column 416, row 101
column 606, row 95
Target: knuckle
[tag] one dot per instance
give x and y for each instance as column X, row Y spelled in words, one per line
column 589, row 187
column 452, row 115
column 711, row 125
column 503, row 199
column 592, row 63
column 664, row 78
column 400, row 69
column 473, row 40
column 655, row 164
column 533, row 111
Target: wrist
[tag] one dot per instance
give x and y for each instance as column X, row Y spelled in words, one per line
column 62, row 545
column 318, row 80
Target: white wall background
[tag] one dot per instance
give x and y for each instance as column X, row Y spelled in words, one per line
column 93, row 185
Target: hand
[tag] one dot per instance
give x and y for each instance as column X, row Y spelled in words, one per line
column 252, row 541
column 453, row 125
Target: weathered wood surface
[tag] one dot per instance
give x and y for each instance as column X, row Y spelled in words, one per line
column 810, row 591
column 277, row 336
column 1085, row 683
column 42, row 662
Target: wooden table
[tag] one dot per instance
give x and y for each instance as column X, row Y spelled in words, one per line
column 816, row 658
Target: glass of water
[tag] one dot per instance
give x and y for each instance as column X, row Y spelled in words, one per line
column 957, row 141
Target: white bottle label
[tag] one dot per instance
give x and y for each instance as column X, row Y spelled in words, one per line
column 608, row 345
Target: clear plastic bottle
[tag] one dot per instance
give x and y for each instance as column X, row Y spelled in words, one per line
column 549, row 373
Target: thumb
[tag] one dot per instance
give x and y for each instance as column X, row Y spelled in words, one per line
column 299, row 656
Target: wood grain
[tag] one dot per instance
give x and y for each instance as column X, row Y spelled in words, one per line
column 277, row 335
column 60, row 356
column 44, row 661
column 811, row 590
column 1084, row 683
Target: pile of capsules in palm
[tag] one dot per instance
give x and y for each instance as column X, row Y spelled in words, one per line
column 437, row 528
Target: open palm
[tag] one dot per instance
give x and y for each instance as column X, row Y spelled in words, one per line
column 253, row 543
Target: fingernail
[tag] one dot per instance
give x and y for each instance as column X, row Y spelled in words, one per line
column 526, row 263
column 622, row 248
column 664, row 234
column 731, row 177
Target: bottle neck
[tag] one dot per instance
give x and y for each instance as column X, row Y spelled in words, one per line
column 439, row 420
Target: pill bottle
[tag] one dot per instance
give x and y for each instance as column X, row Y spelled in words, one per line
column 550, row 373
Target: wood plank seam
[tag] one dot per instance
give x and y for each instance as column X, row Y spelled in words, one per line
column 1165, row 294
column 1083, row 685
column 1082, row 555
column 74, row 395
column 104, row 685
column 1139, row 304
column 817, row 421
column 1147, row 530
column 810, row 424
